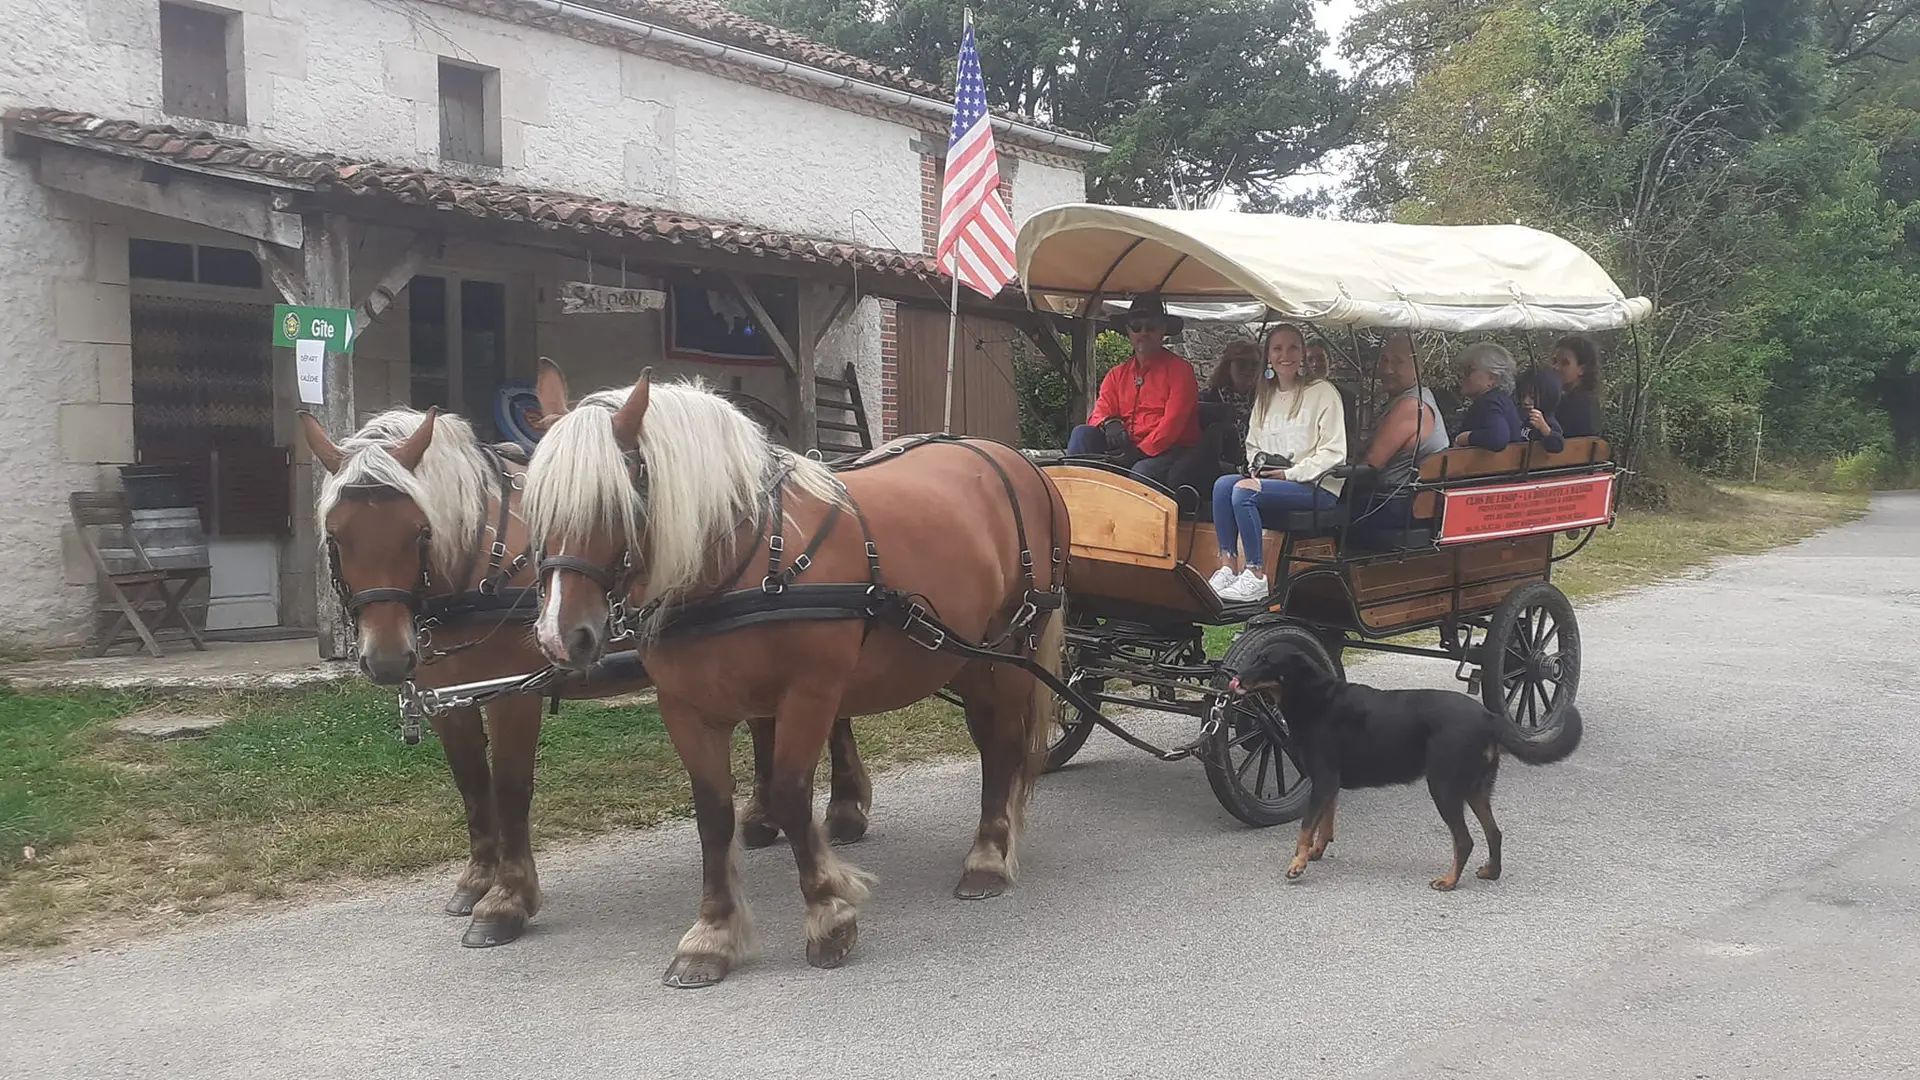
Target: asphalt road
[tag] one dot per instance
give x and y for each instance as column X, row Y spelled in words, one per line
column 1722, row 882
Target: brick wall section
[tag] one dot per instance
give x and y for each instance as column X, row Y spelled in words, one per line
column 889, row 370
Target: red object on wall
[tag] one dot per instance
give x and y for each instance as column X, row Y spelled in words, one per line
column 1505, row 510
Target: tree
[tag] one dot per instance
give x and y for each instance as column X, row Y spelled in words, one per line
column 1194, row 97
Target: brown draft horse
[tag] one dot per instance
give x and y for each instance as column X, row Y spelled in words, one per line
column 412, row 513
column 664, row 497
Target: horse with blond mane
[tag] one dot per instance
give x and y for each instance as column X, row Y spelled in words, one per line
column 418, row 518
column 760, row 582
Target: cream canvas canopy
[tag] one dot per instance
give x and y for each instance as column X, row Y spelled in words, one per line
column 1452, row 278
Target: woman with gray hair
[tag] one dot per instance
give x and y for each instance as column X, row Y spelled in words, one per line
column 1493, row 421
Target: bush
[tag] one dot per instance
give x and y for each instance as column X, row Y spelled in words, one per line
column 1864, row 471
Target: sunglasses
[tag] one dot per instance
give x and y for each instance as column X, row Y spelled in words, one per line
column 1141, row 326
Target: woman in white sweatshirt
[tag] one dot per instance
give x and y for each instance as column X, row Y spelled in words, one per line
column 1299, row 419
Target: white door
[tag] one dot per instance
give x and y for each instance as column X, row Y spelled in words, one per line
column 244, row 586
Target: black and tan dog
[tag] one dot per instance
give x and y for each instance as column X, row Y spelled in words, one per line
column 1351, row 736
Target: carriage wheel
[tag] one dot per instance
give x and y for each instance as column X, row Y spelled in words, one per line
column 1070, row 726
column 1530, row 662
column 1257, row 781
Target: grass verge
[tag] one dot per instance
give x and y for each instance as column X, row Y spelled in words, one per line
column 127, row 836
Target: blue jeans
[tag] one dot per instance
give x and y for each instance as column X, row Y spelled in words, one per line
column 1240, row 510
column 1091, row 441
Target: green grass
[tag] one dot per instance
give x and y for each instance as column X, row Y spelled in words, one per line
column 301, row 789
column 298, row 789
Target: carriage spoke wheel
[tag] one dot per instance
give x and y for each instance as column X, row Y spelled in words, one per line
column 1070, row 726
column 1257, row 778
column 1530, row 667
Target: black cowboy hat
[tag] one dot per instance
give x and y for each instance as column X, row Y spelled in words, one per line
column 1148, row 306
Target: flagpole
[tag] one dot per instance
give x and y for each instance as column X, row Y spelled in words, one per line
column 953, row 308
column 953, row 330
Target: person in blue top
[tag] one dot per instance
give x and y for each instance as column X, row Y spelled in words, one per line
column 1492, row 421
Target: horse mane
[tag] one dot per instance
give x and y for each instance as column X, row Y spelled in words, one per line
column 451, row 486
column 707, row 474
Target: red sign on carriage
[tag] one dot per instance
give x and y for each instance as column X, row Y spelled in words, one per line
column 1493, row 513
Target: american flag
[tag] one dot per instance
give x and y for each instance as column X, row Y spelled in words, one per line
column 976, row 231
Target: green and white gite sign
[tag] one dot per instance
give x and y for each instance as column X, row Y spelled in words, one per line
column 312, row 333
column 330, row 326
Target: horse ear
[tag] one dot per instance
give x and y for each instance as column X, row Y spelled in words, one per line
column 626, row 422
column 409, row 453
column 328, row 455
column 550, row 386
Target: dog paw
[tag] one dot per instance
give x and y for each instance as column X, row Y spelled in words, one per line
column 1294, row 871
column 1489, row 872
column 1443, row 884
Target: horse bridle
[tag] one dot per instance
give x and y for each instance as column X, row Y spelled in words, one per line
column 417, row 599
column 354, row 602
column 615, row 579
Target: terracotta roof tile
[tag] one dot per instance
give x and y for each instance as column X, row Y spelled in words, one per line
column 478, row 198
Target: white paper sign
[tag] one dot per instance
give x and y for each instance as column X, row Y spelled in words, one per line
column 310, row 365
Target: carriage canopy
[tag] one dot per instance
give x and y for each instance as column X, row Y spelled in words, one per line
column 1452, row 278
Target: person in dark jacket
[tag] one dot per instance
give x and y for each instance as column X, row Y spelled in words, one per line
column 1577, row 363
column 1538, row 397
column 1492, row 421
column 1228, row 395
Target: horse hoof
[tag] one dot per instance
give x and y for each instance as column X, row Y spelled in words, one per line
column 694, row 972
column 846, row 828
column 497, row 930
column 832, row 951
column 759, row 834
column 980, row 885
column 462, row 901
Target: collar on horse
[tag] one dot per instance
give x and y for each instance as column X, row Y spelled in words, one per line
column 781, row 598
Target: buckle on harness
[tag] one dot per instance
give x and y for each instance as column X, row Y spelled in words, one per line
column 498, row 550
column 772, row 586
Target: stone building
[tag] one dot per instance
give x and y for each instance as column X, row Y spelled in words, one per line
column 452, row 170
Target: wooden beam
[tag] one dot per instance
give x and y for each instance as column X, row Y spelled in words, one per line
column 841, row 298
column 805, row 424
column 118, row 182
column 765, row 321
column 419, row 249
column 1085, row 387
column 321, row 278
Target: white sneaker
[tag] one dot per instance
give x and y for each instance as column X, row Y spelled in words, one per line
column 1221, row 578
column 1245, row 589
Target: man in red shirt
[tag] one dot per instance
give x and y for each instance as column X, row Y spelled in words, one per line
column 1148, row 414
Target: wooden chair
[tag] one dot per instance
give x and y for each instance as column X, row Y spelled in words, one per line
column 131, row 590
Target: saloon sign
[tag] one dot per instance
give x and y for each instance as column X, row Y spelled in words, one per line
column 580, row 298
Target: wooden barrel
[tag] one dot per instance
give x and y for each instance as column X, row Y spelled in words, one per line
column 172, row 537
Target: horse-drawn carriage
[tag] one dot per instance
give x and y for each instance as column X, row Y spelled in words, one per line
column 1474, row 563
column 756, row 584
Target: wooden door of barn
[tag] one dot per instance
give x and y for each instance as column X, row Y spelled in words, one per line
column 984, row 401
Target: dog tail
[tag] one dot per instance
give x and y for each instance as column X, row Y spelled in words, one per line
column 1542, row 753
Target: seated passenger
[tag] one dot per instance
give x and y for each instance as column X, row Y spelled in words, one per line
column 1538, row 395
column 1577, row 363
column 1147, row 417
column 1229, row 392
column 1492, row 421
column 1296, row 433
column 1410, row 431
